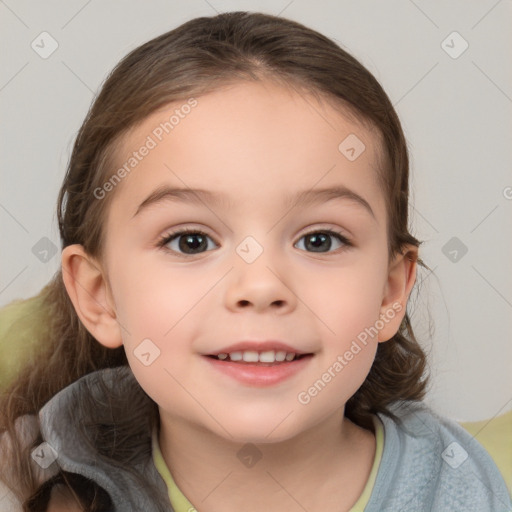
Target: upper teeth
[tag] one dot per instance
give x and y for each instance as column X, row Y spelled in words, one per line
column 252, row 356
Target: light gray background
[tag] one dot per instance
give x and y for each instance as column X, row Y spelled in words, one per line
column 455, row 113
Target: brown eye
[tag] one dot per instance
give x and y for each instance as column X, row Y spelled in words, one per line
column 186, row 242
column 321, row 241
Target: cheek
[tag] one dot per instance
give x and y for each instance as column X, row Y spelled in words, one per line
column 156, row 339
column 148, row 302
column 162, row 308
column 345, row 302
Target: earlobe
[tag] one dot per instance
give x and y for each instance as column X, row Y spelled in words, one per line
column 401, row 279
column 89, row 292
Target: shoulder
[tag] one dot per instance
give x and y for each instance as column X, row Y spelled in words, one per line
column 12, row 490
column 429, row 462
column 495, row 435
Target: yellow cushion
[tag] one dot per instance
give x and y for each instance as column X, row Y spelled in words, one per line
column 22, row 327
column 495, row 435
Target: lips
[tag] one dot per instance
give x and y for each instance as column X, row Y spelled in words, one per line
column 258, row 374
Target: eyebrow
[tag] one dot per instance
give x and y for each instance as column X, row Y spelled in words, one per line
column 303, row 198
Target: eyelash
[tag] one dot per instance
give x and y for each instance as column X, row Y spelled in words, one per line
column 163, row 241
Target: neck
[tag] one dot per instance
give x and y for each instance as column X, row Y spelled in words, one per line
column 324, row 468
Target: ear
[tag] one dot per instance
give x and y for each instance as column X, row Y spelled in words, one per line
column 90, row 294
column 401, row 279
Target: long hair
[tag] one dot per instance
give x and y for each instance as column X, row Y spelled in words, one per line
column 200, row 56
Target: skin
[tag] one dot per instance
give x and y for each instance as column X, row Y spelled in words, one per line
column 256, row 142
column 62, row 501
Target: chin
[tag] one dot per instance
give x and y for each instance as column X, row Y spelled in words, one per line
column 261, row 432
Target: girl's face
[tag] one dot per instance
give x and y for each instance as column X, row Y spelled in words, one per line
column 264, row 267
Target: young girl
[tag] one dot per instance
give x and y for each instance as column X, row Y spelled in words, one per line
column 229, row 330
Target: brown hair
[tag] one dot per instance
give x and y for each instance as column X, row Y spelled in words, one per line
column 200, row 56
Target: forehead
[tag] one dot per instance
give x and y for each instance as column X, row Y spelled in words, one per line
column 253, row 142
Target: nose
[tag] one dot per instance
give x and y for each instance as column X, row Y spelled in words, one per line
column 260, row 286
